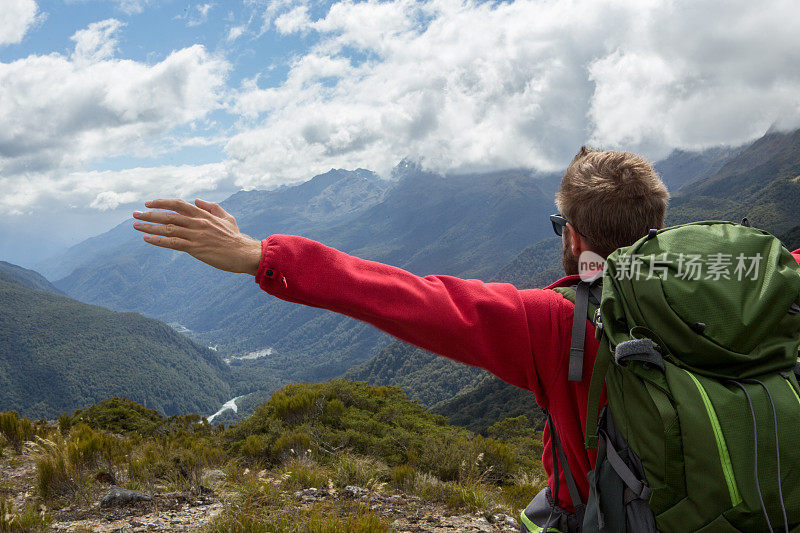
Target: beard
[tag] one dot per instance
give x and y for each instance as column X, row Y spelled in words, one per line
column 568, row 259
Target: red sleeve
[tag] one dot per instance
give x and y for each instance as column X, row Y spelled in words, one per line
column 481, row 324
column 796, row 255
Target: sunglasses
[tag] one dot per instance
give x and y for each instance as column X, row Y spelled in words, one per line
column 558, row 225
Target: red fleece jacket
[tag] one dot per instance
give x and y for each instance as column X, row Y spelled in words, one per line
column 521, row 336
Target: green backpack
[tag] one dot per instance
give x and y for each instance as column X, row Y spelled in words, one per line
column 699, row 329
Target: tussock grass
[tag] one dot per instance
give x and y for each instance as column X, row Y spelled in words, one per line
column 457, row 496
column 323, row 518
column 304, row 473
column 17, row 430
column 65, row 465
column 349, row 469
column 29, row 519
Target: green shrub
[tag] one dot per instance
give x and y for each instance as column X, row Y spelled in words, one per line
column 511, row 428
column 64, row 423
column 379, row 422
column 291, row 444
column 256, row 447
column 66, row 464
column 294, row 405
column 118, row 415
column 88, row 449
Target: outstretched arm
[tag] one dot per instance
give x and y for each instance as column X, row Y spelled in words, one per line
column 482, row 324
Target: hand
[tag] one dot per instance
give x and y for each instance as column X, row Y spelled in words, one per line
column 203, row 230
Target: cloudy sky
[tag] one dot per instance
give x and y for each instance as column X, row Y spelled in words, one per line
column 104, row 104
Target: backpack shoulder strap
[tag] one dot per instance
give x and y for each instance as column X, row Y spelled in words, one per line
column 580, row 294
column 578, row 332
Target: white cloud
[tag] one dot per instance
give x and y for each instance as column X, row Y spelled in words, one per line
column 97, row 41
column 460, row 84
column 131, row 7
column 198, row 14
column 270, row 9
column 234, row 32
column 467, row 85
column 293, row 21
column 140, row 184
column 106, row 190
column 18, row 17
column 67, row 113
column 70, row 111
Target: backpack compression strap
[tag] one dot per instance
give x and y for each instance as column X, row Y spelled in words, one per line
column 601, row 364
column 560, row 458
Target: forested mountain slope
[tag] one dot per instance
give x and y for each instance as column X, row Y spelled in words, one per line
column 58, row 354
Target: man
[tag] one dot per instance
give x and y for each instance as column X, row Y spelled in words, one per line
column 607, row 199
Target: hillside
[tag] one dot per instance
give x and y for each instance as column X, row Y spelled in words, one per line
column 57, row 354
column 332, row 457
column 760, row 182
column 492, row 400
column 791, row 239
column 682, row 168
column 537, row 266
column 27, row 278
column 425, row 377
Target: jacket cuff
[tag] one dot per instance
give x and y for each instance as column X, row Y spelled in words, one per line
column 266, row 266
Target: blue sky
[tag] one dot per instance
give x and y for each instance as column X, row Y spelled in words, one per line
column 104, row 104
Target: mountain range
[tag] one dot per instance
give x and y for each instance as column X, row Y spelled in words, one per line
column 490, row 226
column 466, row 225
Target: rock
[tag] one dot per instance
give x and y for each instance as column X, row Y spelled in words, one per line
column 355, row 492
column 212, row 478
column 504, row 519
column 119, row 497
column 482, row 525
column 312, row 494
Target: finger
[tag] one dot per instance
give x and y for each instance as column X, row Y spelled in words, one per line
column 167, row 230
column 213, row 208
column 168, row 217
column 173, row 243
column 175, row 204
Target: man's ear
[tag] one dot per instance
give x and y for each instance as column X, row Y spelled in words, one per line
column 576, row 241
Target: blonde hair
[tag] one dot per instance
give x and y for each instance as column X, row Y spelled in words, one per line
column 612, row 198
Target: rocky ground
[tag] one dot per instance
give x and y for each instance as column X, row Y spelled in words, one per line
column 107, row 508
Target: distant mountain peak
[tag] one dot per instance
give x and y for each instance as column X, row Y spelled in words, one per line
column 409, row 168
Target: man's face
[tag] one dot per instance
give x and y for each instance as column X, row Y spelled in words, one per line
column 568, row 259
